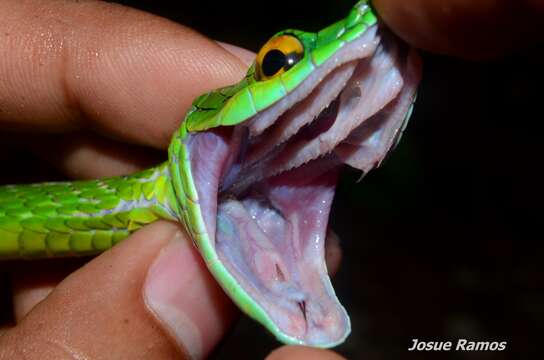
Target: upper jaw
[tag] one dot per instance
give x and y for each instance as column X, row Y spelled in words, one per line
column 275, row 176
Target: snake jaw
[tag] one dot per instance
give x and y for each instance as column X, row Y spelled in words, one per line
column 270, row 238
column 265, row 187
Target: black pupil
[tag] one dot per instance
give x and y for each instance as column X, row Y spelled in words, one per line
column 273, row 61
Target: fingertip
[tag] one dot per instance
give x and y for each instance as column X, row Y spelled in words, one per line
column 302, row 353
column 463, row 28
column 186, row 300
column 245, row 56
column 99, row 311
column 117, row 70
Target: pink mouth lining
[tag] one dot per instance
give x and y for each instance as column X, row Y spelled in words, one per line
column 265, row 194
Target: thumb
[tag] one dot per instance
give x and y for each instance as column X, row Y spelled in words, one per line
column 148, row 297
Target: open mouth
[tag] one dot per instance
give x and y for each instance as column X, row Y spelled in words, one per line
column 265, row 187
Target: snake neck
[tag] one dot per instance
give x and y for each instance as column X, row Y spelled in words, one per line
column 81, row 217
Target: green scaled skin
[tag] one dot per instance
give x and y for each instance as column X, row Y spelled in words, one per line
column 81, row 217
column 87, row 217
column 235, row 104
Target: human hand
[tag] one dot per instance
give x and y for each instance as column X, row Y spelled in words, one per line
column 122, row 79
column 465, row 28
column 99, row 84
column 129, row 77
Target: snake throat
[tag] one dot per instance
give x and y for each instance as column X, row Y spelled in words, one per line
column 266, row 186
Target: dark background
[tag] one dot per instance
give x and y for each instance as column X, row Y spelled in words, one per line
column 442, row 242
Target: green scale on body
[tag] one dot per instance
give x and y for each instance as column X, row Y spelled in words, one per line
column 81, row 217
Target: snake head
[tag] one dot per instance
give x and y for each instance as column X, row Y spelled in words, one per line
column 254, row 166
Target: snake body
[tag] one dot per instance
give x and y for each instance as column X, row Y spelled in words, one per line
column 81, row 217
column 294, row 300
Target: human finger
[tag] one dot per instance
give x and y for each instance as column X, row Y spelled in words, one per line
column 117, row 306
column 465, row 28
column 99, row 65
column 302, row 353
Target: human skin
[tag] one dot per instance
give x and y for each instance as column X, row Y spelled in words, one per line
column 471, row 29
column 96, row 68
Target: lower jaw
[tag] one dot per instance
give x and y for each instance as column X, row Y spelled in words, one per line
column 268, row 222
column 270, row 237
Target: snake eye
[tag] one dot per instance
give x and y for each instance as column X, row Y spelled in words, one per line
column 277, row 56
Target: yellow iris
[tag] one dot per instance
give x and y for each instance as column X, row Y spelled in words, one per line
column 277, row 56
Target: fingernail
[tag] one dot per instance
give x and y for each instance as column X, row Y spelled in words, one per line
column 165, row 288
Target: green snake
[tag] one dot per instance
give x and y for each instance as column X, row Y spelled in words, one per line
column 251, row 175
